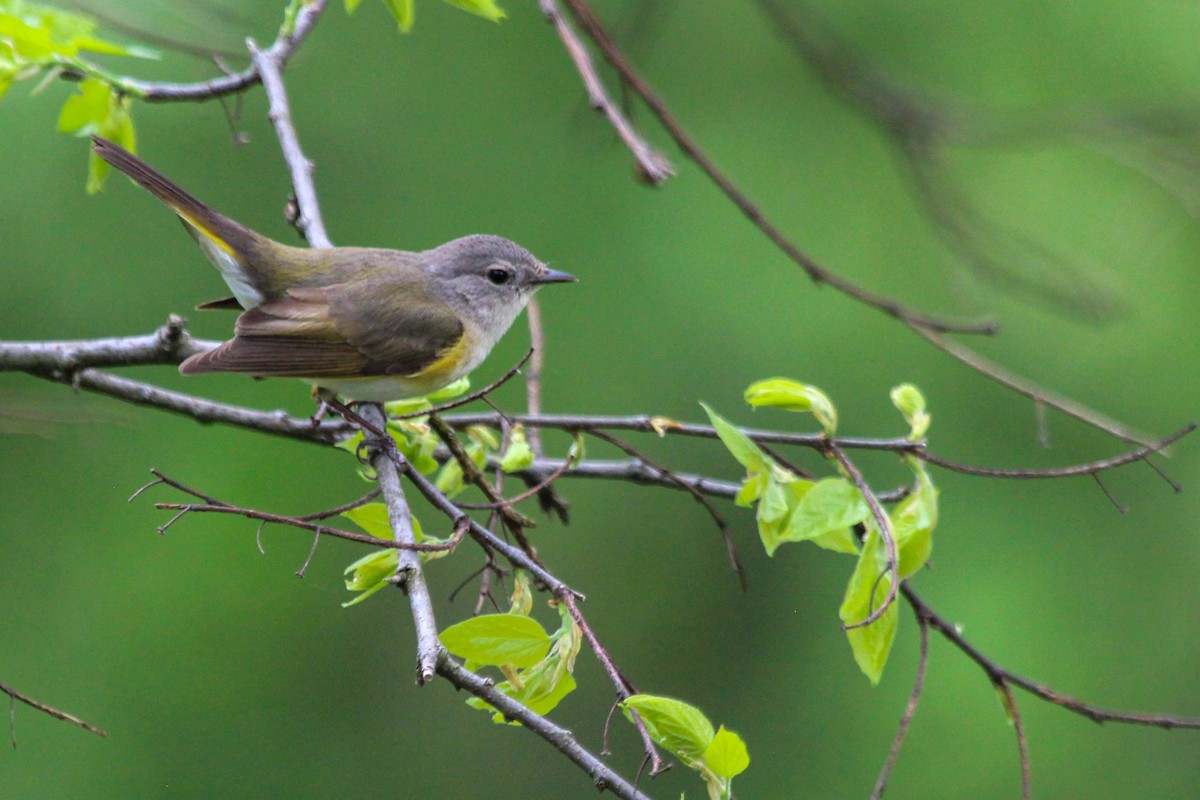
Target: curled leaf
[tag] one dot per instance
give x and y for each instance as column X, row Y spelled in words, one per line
column 794, row 396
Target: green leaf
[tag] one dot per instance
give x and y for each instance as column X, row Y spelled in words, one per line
column 402, row 10
column 351, row 5
column 911, row 403
column 498, row 639
column 680, row 728
column 793, row 396
column 726, row 754
column 825, row 515
column 751, row 490
column 781, row 492
column 488, row 9
column 519, row 454
column 85, row 112
column 748, row 454
column 370, row 574
column 866, row 592
column 372, row 518
column 913, row 521
column 450, row 480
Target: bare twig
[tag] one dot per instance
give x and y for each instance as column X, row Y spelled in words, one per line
column 280, row 51
column 473, row 396
column 652, row 166
column 299, row 522
column 15, row 696
column 730, row 548
column 1038, row 394
column 603, row 777
column 308, row 221
column 624, row 686
column 818, row 273
column 998, row 674
column 388, row 464
column 884, row 526
column 909, row 709
column 1014, row 714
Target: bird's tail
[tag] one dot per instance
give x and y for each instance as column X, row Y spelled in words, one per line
column 232, row 247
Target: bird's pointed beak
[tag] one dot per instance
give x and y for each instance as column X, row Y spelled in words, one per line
column 554, row 276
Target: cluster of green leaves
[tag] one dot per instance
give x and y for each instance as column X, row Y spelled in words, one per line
column 417, row 441
column 403, row 10
column 38, row 39
column 537, row 665
column 828, row 512
column 686, row 733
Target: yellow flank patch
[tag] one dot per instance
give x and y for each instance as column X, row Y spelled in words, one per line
column 446, row 364
column 217, row 240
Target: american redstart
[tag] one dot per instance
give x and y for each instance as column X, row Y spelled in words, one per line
column 364, row 323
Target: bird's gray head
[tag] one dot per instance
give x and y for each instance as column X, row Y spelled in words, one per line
column 488, row 279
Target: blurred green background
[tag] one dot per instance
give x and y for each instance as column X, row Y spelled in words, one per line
column 220, row 674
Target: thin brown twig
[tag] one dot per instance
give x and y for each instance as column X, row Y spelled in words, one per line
column 1038, row 394
column 16, row 696
column 735, row 561
column 997, row 673
column 653, row 167
column 884, row 526
column 470, row 398
column 296, row 522
column 1014, row 714
column 624, row 686
column 818, row 273
column 909, row 710
column 282, row 49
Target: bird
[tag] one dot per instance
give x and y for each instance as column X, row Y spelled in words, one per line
column 366, row 324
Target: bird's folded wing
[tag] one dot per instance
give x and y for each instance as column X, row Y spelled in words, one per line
column 336, row 331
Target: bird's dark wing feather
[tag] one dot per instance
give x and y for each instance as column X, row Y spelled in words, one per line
column 347, row 330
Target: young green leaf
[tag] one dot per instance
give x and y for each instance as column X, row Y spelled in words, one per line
column 488, row 9
column 782, row 493
column 911, row 403
column 402, row 10
column 793, row 396
column 450, row 480
column 519, row 454
column 825, row 515
column 913, row 521
column 866, row 592
column 370, row 574
column 748, row 454
column 498, row 639
column 726, row 755
column 373, row 518
column 680, row 728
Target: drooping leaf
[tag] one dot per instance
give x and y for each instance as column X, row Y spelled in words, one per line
column 677, row 726
column 498, row 639
column 402, row 10
column 866, row 592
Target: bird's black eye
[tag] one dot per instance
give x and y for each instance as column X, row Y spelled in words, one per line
column 499, row 276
